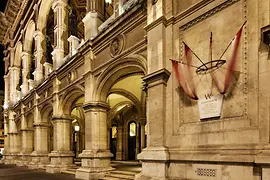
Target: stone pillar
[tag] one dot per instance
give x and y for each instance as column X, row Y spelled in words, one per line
column 137, row 139
column 39, row 56
column 26, row 59
column 119, row 143
column 60, row 8
column 155, row 156
column 62, row 155
column 41, row 129
column 73, row 44
column 48, row 69
column 6, row 137
column 94, row 18
column 125, row 143
column 142, row 136
column 7, row 91
column 27, row 142
column 14, row 80
column 96, row 156
column 14, row 144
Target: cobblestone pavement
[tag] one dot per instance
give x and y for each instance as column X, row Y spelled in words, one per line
column 12, row 172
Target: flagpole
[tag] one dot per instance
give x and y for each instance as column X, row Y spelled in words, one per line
column 195, row 55
column 231, row 42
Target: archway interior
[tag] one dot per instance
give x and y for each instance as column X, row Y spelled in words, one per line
column 78, row 126
column 126, row 100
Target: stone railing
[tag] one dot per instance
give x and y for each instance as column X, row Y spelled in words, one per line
column 129, row 4
column 107, row 23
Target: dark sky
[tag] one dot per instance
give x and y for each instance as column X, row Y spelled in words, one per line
column 2, row 65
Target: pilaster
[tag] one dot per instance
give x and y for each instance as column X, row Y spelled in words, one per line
column 155, row 157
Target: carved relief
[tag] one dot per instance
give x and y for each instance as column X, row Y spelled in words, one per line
column 117, row 45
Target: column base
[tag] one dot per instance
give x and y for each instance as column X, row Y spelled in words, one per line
column 60, row 161
column 95, row 164
column 11, row 158
column 154, row 164
column 25, row 159
column 39, row 160
column 119, row 156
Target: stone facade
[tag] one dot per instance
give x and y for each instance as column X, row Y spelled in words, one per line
column 116, row 72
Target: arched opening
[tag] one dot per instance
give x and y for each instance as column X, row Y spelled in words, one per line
column 113, row 139
column 76, row 14
column 122, row 87
column 50, row 42
column 78, row 127
column 132, row 128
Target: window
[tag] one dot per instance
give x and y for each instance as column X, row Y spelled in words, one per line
column 114, row 132
column 132, row 129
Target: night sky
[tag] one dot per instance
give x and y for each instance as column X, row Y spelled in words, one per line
column 2, row 64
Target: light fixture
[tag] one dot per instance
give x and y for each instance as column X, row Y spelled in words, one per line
column 108, row 1
column 5, row 106
column 77, row 128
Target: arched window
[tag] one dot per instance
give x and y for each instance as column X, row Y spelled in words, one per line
column 114, row 132
column 132, row 129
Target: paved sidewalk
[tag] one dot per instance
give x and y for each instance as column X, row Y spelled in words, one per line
column 12, row 172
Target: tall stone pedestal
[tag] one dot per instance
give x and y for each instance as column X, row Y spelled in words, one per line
column 60, row 161
column 61, row 156
column 95, row 164
column 39, row 160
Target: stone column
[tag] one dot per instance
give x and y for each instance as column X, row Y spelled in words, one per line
column 156, row 156
column 62, row 155
column 119, row 143
column 73, row 44
column 27, row 142
column 94, row 18
column 41, row 129
column 48, row 69
column 14, row 80
column 60, row 8
column 14, row 144
column 39, row 56
column 96, row 156
column 142, row 136
column 26, row 59
column 6, row 138
column 125, row 143
column 137, row 139
column 7, row 91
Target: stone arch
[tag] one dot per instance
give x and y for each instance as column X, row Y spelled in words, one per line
column 30, row 120
column 46, row 112
column 44, row 10
column 18, row 55
column 29, row 34
column 128, row 95
column 119, row 68
column 69, row 97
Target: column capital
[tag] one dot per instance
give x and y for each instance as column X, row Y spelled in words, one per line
column 96, row 106
column 25, row 53
column 62, row 117
column 59, row 3
column 158, row 77
column 38, row 34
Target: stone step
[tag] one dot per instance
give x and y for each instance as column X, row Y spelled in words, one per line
column 120, row 176
column 110, row 178
column 124, row 172
column 70, row 171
